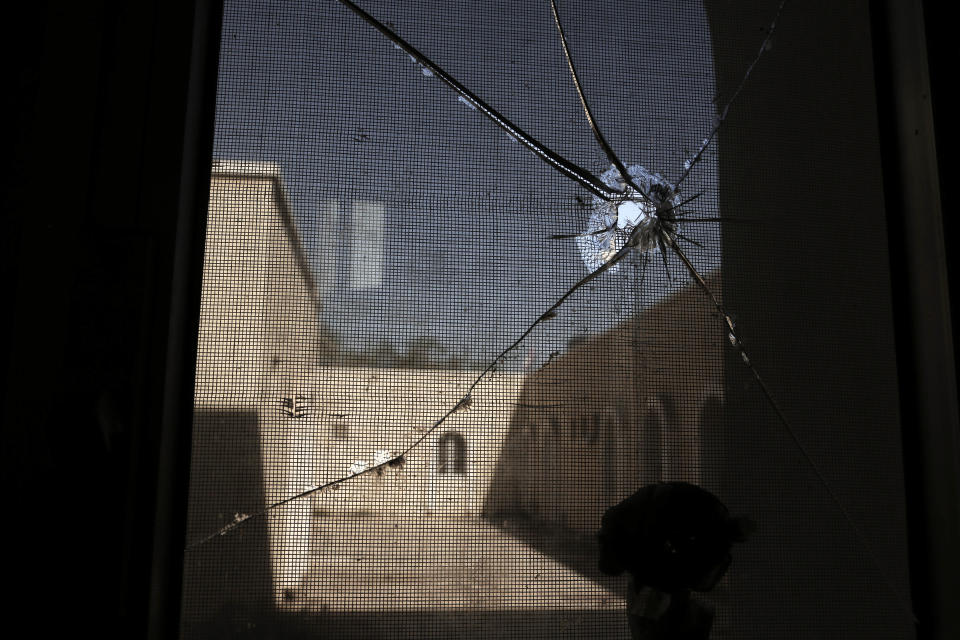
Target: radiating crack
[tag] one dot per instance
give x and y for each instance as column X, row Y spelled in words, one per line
column 634, row 211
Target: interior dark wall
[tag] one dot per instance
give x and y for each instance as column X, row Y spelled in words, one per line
column 104, row 194
column 915, row 46
column 941, row 59
column 800, row 154
column 844, row 306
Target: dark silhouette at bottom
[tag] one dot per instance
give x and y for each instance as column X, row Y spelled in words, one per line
column 673, row 538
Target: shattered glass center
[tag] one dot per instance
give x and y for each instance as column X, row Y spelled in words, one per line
column 611, row 224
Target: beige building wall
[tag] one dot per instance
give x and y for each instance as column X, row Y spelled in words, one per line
column 634, row 405
column 259, row 313
column 363, row 412
column 259, row 331
column 258, row 353
column 272, row 422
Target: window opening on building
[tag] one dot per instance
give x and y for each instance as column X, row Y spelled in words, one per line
column 451, row 453
column 366, row 244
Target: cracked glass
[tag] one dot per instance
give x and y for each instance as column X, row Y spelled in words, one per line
column 446, row 327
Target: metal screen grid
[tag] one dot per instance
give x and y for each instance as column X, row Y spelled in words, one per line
column 374, row 244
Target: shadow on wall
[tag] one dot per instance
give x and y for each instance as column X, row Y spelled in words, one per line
column 637, row 404
column 227, row 581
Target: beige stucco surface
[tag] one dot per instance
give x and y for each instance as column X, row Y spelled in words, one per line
column 558, row 445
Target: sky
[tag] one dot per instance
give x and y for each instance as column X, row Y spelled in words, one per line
column 420, row 216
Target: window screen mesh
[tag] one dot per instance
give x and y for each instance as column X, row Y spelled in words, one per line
column 375, row 450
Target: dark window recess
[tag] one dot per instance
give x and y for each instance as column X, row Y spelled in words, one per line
column 452, row 453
